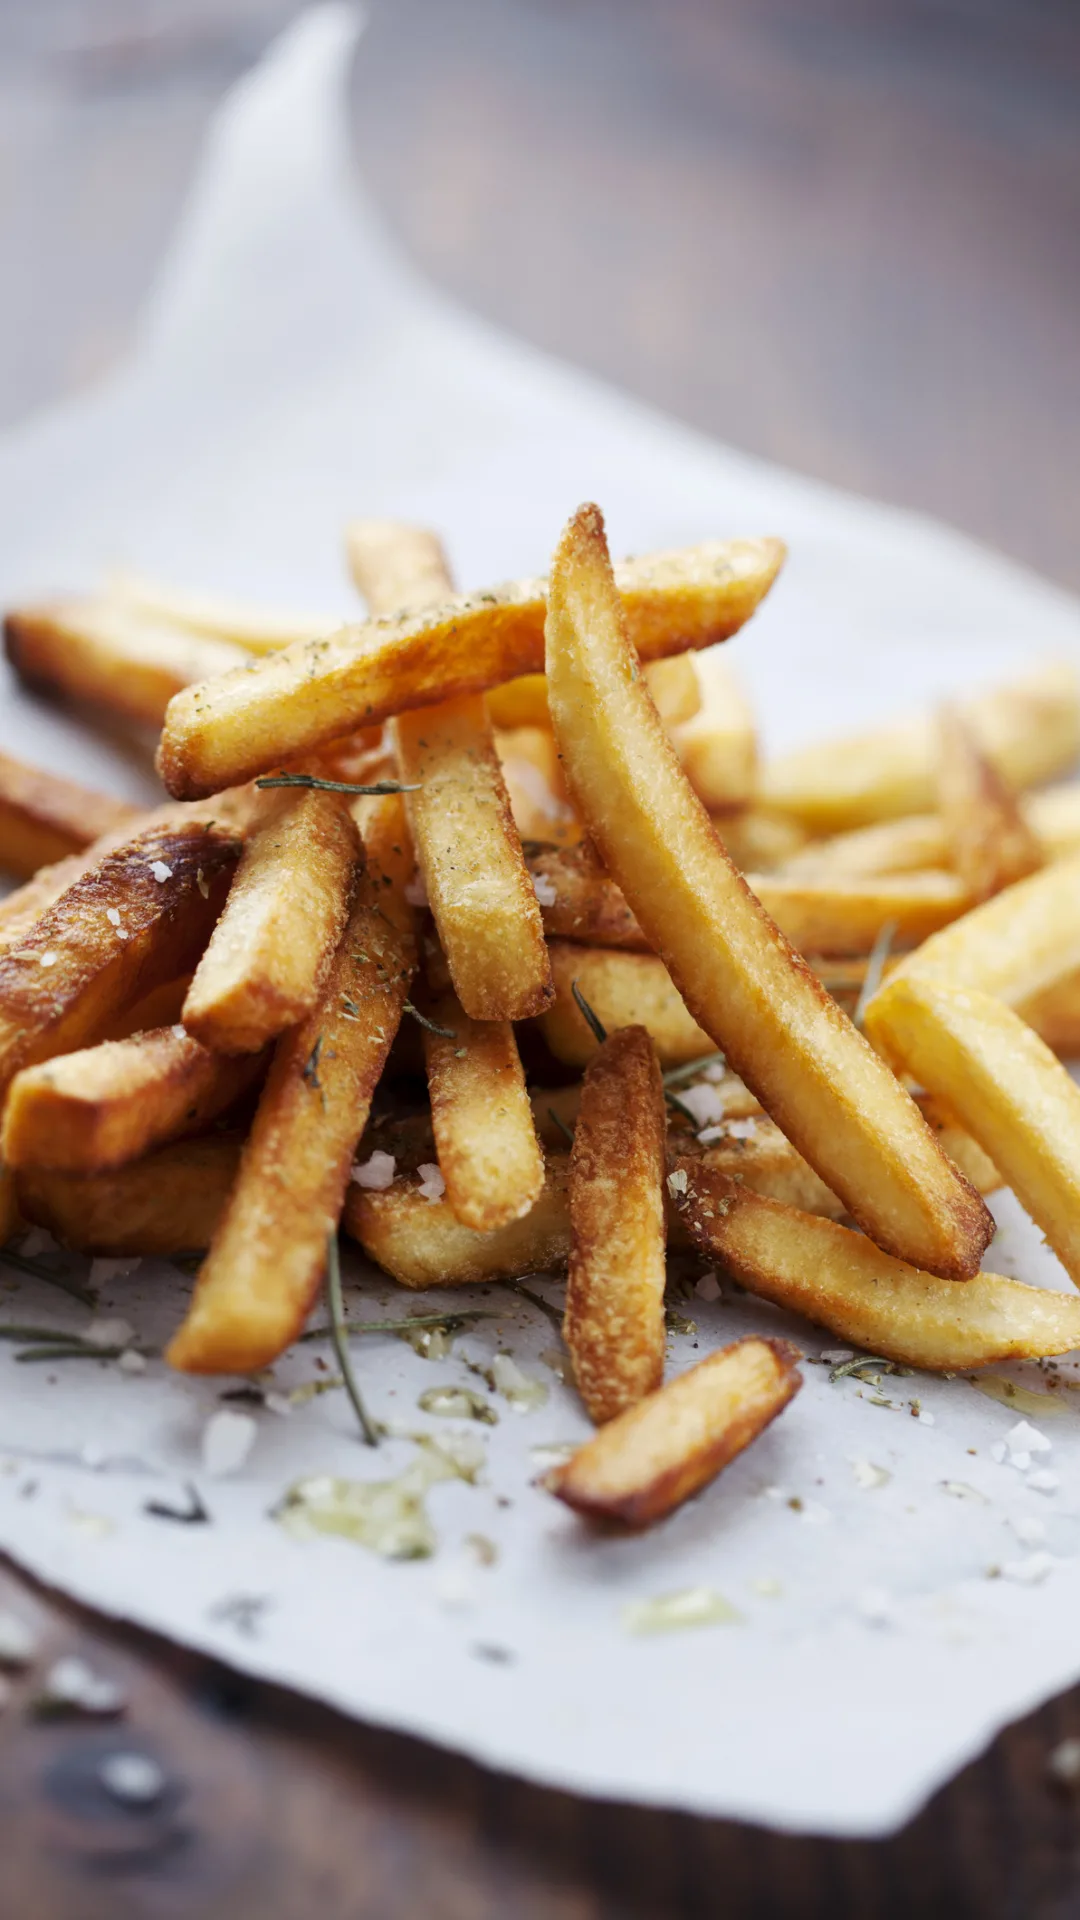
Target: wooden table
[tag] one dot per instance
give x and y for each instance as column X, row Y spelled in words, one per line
column 844, row 237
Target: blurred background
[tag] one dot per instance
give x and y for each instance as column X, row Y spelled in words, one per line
column 841, row 234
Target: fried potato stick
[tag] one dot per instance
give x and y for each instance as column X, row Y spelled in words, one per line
column 283, row 918
column 112, row 656
column 813, row 1073
column 1004, row 1085
column 167, row 1203
column 840, row 1280
column 664, row 1449
column 919, row 839
column 267, row 1258
column 614, row 1319
column 98, row 1108
column 422, row 1243
column 535, row 787
column 485, row 1140
column 624, row 990
column 246, row 722
column 467, row 845
column 256, row 629
column 718, row 746
column 44, row 818
column 674, row 686
column 990, row 843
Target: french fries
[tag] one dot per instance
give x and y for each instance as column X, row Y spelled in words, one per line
column 818, row 1079
column 718, row 745
column 20, row 909
column 467, row 845
column 266, row 1260
column 664, row 1449
column 919, row 840
column 256, row 629
column 674, row 686
column 989, row 840
column 262, row 969
column 246, row 722
column 98, row 1108
column 1004, row 1085
column 421, row 1242
column 759, row 841
column 112, row 656
column 535, row 787
column 44, row 819
column 844, row 1283
column 623, row 990
column 1030, row 731
column 614, row 1319
column 167, row 1203
column 485, row 1140
column 1054, row 1013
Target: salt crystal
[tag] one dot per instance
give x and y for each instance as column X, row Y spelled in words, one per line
column 70, row 1682
column 36, row 1241
column 743, row 1129
column 814, row 1514
column 1021, row 1461
column 710, row 1135
column 1063, row 1764
column 875, row 1604
column 1029, row 1572
column 454, row 1585
column 997, row 1451
column 676, row 1182
column 544, row 889
column 109, row 1333
column 48, row 959
column 278, row 1403
column 926, row 1419
column 18, row 1642
column 121, row 933
column 1026, row 1438
column 132, row 1362
column 132, row 1777
column 867, row 1475
column 179, row 1032
column 112, row 915
column 1045, row 1480
column 376, row 1173
column 716, row 1070
column 161, row 872
column 704, row 1103
column 1028, row 1530
column 226, row 1442
column 708, row 1287
column 432, row 1184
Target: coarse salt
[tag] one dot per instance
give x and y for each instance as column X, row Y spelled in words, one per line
column 375, row 1173
column 18, row 1642
column 112, row 915
column 48, row 959
column 544, row 889
column 132, row 1362
column 72, row 1683
column 704, row 1103
column 161, row 872
column 432, row 1184
column 1026, row 1438
column 1045, row 1480
column 227, row 1440
column 416, row 891
column 132, row 1777
column 1029, row 1572
column 1028, row 1529
column 109, row 1333
column 997, row 1451
column 676, row 1182
column 179, row 1032
column 708, row 1287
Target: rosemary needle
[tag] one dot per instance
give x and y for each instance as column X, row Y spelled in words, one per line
column 331, row 786
column 54, row 1279
column 592, row 1019
column 339, row 1341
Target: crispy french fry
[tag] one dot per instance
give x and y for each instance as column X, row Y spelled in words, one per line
column 298, row 699
column 767, row 1163
column 718, row 747
column 282, row 920
column 813, row 1073
column 580, row 901
column 1013, row 946
column 169, row 1202
column 674, row 686
column 989, row 840
column 1055, row 1015
column 535, row 787
column 520, row 703
column 256, row 629
column 840, row 1280
column 44, row 819
column 919, row 840
column 484, row 1135
column 94, row 1110
column 398, row 567
column 758, row 841
column 662, row 1451
column 613, row 1324
column 20, row 909
column 1030, row 730
column 624, row 990
column 422, row 1243
column 103, row 652
column 1004, row 1085
column 467, row 845
column 266, row 1260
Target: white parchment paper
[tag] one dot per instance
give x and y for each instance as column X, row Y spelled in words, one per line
column 901, row 1590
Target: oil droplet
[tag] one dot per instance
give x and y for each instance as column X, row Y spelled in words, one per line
column 519, row 1389
column 458, row 1403
column 387, row 1516
column 997, row 1386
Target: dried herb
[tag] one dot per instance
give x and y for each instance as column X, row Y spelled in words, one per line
column 558, row 1121
column 681, row 1076
column 332, row 786
column 444, row 1033
column 339, row 1341
column 309, row 1073
column 449, row 1322
column 875, row 968
column 864, row 1363
column 56, row 1277
column 537, row 1300
column 195, row 1514
column 592, row 1019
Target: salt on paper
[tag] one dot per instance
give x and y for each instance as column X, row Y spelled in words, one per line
column 225, row 469
column 227, row 1440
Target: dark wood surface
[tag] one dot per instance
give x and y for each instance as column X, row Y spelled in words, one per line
column 845, row 236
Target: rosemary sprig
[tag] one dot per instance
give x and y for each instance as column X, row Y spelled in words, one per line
column 679, row 1106
column 339, row 1341
column 537, row 1300
column 444, row 1033
column 451, row 1321
column 863, row 1363
column 875, row 968
column 69, row 1351
column 55, row 1278
column 591, row 1019
column 332, row 786
column 20, row 1330
column 680, row 1076
column 558, row 1121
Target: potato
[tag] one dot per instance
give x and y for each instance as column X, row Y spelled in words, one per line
column 112, row 656
column 167, row 1203
column 483, row 1126
column 422, row 1243
column 990, row 842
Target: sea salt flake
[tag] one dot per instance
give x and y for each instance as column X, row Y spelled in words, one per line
column 1045, row 1480
column 997, row 1451
column 1028, row 1529
column 961, row 1491
column 742, row 1129
column 48, row 959
column 677, row 1181
column 109, row 1333
column 545, row 889
column 814, row 1514
column 868, row 1476
column 70, row 1683
column 121, row 933
column 432, row 1184
column 227, row 1440
column 280, row 1404
column 707, row 1287
column 1063, row 1764
column 1029, row 1572
column 925, row 1417
column 416, row 891
column 132, row 1778
column 1026, row 1439
column 179, row 1032
column 161, row 872
column 454, row 1585
column 704, row 1103
column 132, row 1362
column 1021, row 1461
column 375, row 1173
column 36, row 1242
column 112, row 915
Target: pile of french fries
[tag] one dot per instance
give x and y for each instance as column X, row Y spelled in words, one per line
column 480, row 931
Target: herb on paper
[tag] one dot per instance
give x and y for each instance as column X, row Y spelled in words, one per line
column 195, row 1514
column 339, row 1341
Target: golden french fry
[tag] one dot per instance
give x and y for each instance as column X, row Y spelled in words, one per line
column 1013, row 946
column 167, row 1203
column 919, row 840
column 675, row 687
column 535, row 787
column 467, row 845
column 20, row 909
column 580, row 901
column 662, row 1451
column 422, row 1243
column 842, row 1281
column 91, row 1111
column 758, row 841
column 990, row 843
column 759, row 1156
column 1055, row 1015
column 398, row 567
column 520, row 703
column 266, row 1260
column 613, row 1324
column 623, row 990
column 483, row 1126
column 673, row 684
column 718, row 747
column 45, row 819
column 1030, row 731
column 283, row 918
column 256, row 629
column 1004, row 1085
column 109, row 654
column 813, row 1073
column 295, row 700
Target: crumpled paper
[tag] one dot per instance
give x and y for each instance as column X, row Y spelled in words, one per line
column 891, row 1572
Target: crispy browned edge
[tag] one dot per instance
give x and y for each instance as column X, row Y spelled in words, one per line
column 989, row 839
